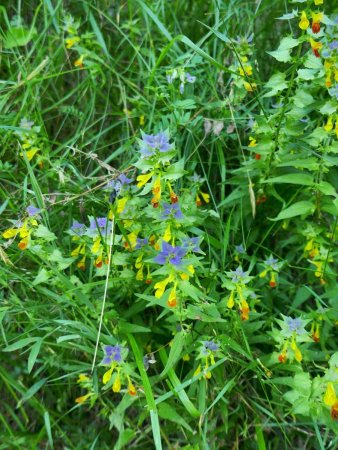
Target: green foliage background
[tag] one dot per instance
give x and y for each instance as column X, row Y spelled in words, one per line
column 90, row 118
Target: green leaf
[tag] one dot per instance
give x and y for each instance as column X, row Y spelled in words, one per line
column 34, row 354
column 303, row 208
column 19, row 344
column 18, row 36
column 326, row 188
column 283, row 52
column 276, row 84
column 302, row 98
column 166, row 411
column 31, row 391
column 175, row 352
column 41, row 277
column 44, row 233
column 292, row 178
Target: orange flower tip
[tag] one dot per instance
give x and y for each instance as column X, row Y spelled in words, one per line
column 334, row 411
column 315, row 337
column 316, row 53
column 173, row 198
column 272, row 284
column 155, row 204
column 148, row 281
column 22, row 245
column 198, row 203
column 132, row 390
column 282, row 358
column 172, row 303
column 258, row 156
column 99, row 264
column 315, row 27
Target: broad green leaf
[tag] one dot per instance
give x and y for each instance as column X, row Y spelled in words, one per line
column 303, row 208
column 326, row 188
column 329, row 107
column 302, row 98
column 41, row 277
column 44, row 233
column 276, row 84
column 283, row 52
column 292, row 178
column 17, row 37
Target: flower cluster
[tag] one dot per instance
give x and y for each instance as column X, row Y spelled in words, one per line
column 29, row 138
column 114, row 356
column 24, row 229
column 292, row 332
column 272, row 267
column 236, row 282
column 184, row 77
column 86, row 382
column 207, row 352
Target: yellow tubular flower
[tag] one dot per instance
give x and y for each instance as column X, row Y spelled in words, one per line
column 252, row 142
column 263, row 274
column 231, row 302
column 79, row 62
column 329, row 124
column 304, row 22
column 161, row 285
column 107, row 376
column 70, row 42
column 205, row 196
column 117, row 383
column 10, row 232
column 139, row 274
column 172, row 300
column 80, row 249
column 167, row 234
column 96, row 245
column 197, row 371
column 82, row 378
column 318, row 2
column 330, row 397
column 83, row 398
column 143, row 179
column 121, row 204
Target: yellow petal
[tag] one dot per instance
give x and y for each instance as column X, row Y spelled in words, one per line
column 142, row 179
column 121, row 204
column 9, row 233
column 197, row 371
column 167, row 234
column 231, row 302
column 83, row 398
column 139, row 274
column 263, row 274
column 117, row 384
column 96, row 245
column 304, row 22
column 107, row 375
column 330, row 395
column 205, row 196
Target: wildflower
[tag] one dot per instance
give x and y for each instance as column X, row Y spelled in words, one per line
column 82, row 264
column 315, row 333
column 245, row 70
column 32, row 210
column 316, row 19
column 83, row 398
column 238, row 275
column 316, row 46
column 172, row 210
column 170, row 254
column 151, row 143
column 191, row 244
column 252, row 142
column 282, row 357
column 209, row 346
column 82, row 378
column 113, row 353
column 304, row 22
column 131, row 388
column 249, row 87
column 172, row 300
column 78, row 228
column 117, row 383
column 318, row 2
column 334, row 411
column 333, row 45
column 190, row 78
column 330, row 397
column 231, row 301
column 79, row 62
column 160, row 286
column 143, row 178
column 71, row 41
column 141, row 243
